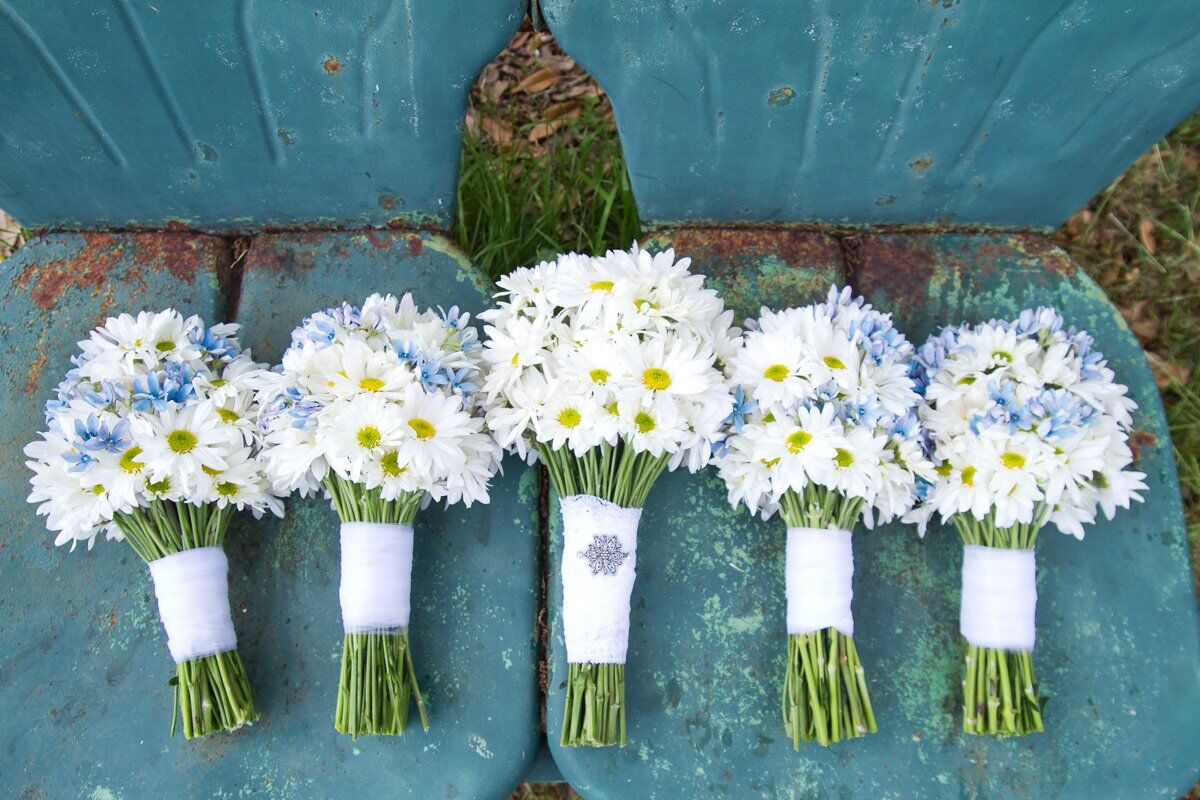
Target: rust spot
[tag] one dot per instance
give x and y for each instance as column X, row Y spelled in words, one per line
column 921, row 165
column 387, row 202
column 86, row 269
column 284, row 252
column 731, row 245
column 332, row 65
column 899, row 266
column 1139, row 439
column 415, row 246
column 35, row 372
column 379, row 239
column 176, row 253
column 781, row 96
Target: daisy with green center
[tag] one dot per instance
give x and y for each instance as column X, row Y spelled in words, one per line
column 1029, row 428
column 375, row 407
column 824, row 433
column 609, row 377
column 152, row 440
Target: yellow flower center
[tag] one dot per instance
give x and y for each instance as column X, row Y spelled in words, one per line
column 159, row 487
column 967, row 381
column 129, row 462
column 943, row 469
column 422, row 428
column 212, row 473
column 514, row 359
column 1002, row 355
column 798, row 441
column 227, row 489
column 776, row 372
column 641, row 304
column 843, row 458
column 769, row 416
column 569, row 418
column 612, row 408
column 644, row 422
column 227, row 416
column 218, row 383
column 772, row 462
column 164, row 347
column 599, row 376
column 601, row 286
column 181, row 441
column 390, row 464
column 968, row 476
column 369, row 436
column 1012, row 460
column 370, row 384
column 98, row 490
column 833, row 362
column 657, row 379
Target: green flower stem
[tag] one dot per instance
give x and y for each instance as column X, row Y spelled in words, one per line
column 212, row 693
column 825, row 697
column 1001, row 696
column 377, row 681
column 594, row 708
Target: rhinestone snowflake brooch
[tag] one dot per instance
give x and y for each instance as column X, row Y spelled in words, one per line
column 604, row 555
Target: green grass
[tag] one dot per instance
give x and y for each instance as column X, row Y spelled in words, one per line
column 518, row 205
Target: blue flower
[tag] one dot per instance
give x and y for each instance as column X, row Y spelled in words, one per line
column 741, row 409
column 221, row 347
column 79, row 460
column 96, row 436
column 159, row 389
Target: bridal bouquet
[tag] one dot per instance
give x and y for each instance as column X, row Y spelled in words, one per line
column 606, row 370
column 377, row 407
column 824, row 431
column 150, row 438
column 1028, row 427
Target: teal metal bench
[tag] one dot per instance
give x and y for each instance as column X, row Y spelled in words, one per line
column 329, row 137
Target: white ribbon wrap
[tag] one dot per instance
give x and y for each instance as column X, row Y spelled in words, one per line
column 819, row 575
column 599, row 563
column 376, row 576
column 999, row 597
column 192, row 588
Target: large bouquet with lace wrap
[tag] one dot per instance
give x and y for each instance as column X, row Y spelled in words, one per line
column 377, row 407
column 605, row 369
column 1029, row 427
column 150, row 438
column 825, row 432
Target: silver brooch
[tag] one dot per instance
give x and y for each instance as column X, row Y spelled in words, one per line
column 604, row 555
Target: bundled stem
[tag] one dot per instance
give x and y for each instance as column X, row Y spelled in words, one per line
column 377, row 680
column 825, row 696
column 212, row 693
column 594, row 708
column 1001, row 695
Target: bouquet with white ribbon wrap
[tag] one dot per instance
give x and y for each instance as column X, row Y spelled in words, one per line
column 1028, row 427
column 151, row 439
column 376, row 408
column 825, row 432
column 606, row 369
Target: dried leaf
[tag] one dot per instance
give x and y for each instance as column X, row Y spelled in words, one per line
column 544, row 129
column 496, row 130
column 1191, row 268
column 541, row 80
column 1166, row 372
column 497, row 89
column 1146, row 234
column 568, row 109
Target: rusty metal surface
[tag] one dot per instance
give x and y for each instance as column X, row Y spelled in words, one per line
column 1119, row 650
column 238, row 113
column 879, row 111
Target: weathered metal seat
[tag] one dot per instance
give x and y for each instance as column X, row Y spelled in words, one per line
column 249, row 118
column 741, row 119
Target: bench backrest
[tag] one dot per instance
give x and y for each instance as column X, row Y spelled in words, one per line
column 238, row 113
column 883, row 111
